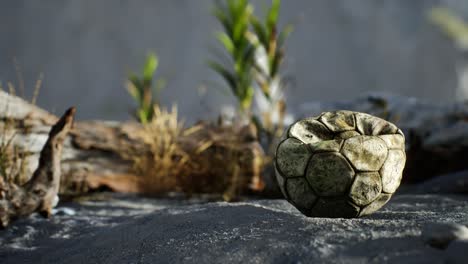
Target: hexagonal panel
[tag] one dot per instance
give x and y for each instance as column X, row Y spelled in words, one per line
column 291, row 157
column 366, row 153
column 281, row 182
column 376, row 204
column 338, row 121
column 395, row 141
column 372, row 126
column 392, row 170
column 329, row 174
column 310, row 131
column 347, row 134
column 300, row 193
column 365, row 188
column 334, row 208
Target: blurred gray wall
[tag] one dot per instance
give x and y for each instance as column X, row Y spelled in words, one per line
column 339, row 49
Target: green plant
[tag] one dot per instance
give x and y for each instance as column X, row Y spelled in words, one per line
column 256, row 51
column 269, row 55
column 144, row 91
column 235, row 15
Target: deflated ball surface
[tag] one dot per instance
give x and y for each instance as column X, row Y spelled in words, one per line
column 340, row 164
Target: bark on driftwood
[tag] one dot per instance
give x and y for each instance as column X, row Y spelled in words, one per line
column 39, row 194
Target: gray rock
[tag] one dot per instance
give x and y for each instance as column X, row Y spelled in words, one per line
column 456, row 182
column 435, row 132
column 127, row 229
column 439, row 235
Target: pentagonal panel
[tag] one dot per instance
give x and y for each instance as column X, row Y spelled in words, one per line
column 366, row 153
column 338, row 121
column 347, row 134
column 300, row 193
column 329, row 174
column 372, row 126
column 334, row 207
column 281, row 182
column 376, row 204
column 365, row 188
column 310, row 131
column 326, row 146
column 395, row 141
column 292, row 157
column 392, row 170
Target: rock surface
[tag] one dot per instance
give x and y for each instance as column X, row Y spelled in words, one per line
column 127, row 229
column 440, row 235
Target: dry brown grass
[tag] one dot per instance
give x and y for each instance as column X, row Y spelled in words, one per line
column 205, row 158
column 13, row 159
column 13, row 162
column 165, row 161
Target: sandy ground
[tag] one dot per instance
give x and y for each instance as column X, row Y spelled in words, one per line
column 128, row 229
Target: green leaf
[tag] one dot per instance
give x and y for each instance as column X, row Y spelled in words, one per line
column 150, row 67
column 241, row 23
column 220, row 13
column 259, row 30
column 226, row 41
column 284, row 34
column 277, row 60
column 246, row 101
column 273, row 14
column 228, row 76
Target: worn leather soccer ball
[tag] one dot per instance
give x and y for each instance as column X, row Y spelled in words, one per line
column 340, row 164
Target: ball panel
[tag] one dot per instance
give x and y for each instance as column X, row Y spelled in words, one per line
column 365, row 188
column 366, row 153
column 292, row 157
column 334, row 208
column 281, row 182
column 326, row 146
column 338, row 121
column 347, row 134
column 392, row 170
column 395, row 141
column 376, row 205
column 373, row 126
column 300, row 193
column 329, row 174
column 310, row 131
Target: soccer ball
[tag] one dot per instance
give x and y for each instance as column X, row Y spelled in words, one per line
column 340, row 164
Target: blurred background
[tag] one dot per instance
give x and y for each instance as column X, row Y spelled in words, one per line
column 339, row 50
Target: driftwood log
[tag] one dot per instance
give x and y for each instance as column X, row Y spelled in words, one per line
column 97, row 154
column 90, row 151
column 40, row 193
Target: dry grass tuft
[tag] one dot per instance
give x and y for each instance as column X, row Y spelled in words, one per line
column 205, row 158
column 13, row 159
column 165, row 161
